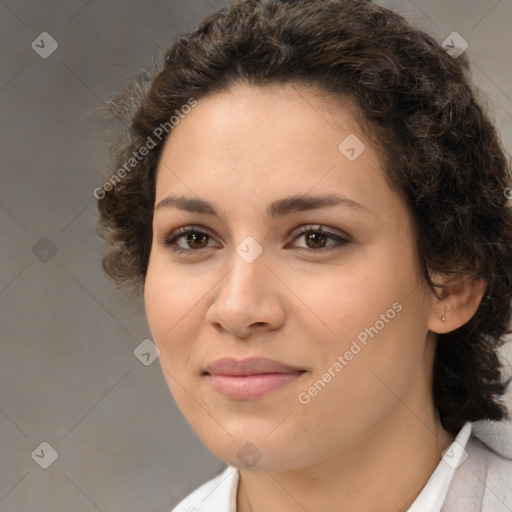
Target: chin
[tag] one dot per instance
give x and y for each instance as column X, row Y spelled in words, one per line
column 253, row 449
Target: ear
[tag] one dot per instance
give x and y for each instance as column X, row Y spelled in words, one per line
column 457, row 301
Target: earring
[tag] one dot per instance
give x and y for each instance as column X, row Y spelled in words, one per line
column 443, row 319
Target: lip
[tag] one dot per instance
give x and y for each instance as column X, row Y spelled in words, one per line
column 250, row 378
column 249, row 366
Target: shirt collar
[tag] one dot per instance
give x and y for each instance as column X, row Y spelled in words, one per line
column 434, row 493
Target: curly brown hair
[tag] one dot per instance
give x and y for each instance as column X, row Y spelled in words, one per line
column 439, row 148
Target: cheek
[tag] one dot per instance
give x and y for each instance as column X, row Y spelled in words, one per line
column 166, row 309
column 169, row 297
column 351, row 301
column 375, row 313
column 158, row 304
column 166, row 312
column 175, row 311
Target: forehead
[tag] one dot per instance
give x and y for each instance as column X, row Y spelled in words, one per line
column 271, row 125
column 291, row 108
column 264, row 141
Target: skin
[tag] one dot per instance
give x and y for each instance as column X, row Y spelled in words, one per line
column 371, row 438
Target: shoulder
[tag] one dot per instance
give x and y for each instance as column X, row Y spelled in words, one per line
column 216, row 495
column 483, row 480
column 495, row 474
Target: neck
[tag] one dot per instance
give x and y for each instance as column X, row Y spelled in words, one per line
column 384, row 471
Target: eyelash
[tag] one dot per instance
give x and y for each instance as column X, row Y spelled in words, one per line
column 171, row 240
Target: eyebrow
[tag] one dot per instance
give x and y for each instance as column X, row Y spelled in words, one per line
column 276, row 209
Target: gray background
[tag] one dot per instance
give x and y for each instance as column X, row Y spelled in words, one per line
column 68, row 373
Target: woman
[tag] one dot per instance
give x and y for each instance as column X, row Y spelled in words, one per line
column 315, row 206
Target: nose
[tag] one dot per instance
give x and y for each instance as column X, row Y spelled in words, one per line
column 248, row 299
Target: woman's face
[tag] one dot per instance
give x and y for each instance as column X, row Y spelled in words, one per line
column 343, row 314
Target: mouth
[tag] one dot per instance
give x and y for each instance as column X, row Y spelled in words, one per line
column 251, row 378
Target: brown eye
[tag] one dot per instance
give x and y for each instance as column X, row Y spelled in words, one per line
column 316, row 238
column 195, row 239
column 188, row 238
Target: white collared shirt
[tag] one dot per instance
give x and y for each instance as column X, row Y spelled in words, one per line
column 219, row 494
column 432, row 497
